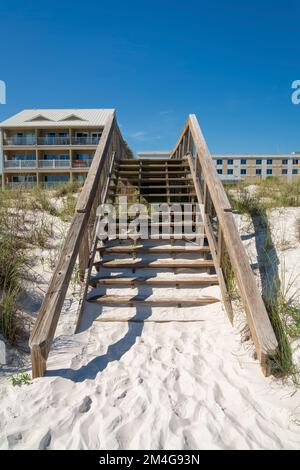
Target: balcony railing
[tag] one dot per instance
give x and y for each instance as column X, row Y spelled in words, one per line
column 25, row 140
column 20, row 164
column 16, row 164
column 48, row 140
column 82, row 163
column 85, row 140
column 53, row 184
column 20, row 184
column 54, row 163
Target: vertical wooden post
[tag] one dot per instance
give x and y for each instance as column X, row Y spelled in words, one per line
column 84, row 254
column 220, row 247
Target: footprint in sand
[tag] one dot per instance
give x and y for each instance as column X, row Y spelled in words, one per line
column 85, row 405
column 45, row 441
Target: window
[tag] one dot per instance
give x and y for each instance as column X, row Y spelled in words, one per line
column 284, row 162
column 80, row 178
column 95, row 137
column 269, row 172
column 243, row 172
column 63, row 138
column 64, row 157
column 295, row 172
column 49, row 156
column 269, row 162
column 243, row 162
column 82, row 137
column 220, row 172
column 56, row 178
column 295, row 162
column 230, row 162
column 284, row 171
column 219, row 162
column 258, row 172
column 258, row 162
column 229, row 172
column 83, row 156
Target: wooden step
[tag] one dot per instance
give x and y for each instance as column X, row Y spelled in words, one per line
column 153, row 195
column 145, row 179
column 169, row 186
column 158, row 264
column 153, row 160
column 152, row 281
column 143, row 300
column 191, row 215
column 150, row 172
column 153, row 249
column 146, row 166
column 148, row 221
column 166, row 236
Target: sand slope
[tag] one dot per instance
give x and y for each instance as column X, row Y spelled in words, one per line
column 151, row 386
column 178, row 385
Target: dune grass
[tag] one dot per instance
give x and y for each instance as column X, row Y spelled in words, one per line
column 26, row 222
column 283, row 309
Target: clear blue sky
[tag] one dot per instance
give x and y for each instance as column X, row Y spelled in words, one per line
column 231, row 62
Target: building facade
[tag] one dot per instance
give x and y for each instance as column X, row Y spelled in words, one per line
column 152, row 154
column 253, row 168
column 49, row 146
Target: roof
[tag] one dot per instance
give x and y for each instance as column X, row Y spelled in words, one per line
column 58, row 118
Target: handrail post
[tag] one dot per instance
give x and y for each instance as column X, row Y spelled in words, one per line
column 211, row 193
column 77, row 242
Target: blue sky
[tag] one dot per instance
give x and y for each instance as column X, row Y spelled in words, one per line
column 230, row 62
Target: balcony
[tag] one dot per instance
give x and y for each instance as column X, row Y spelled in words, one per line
column 24, row 140
column 15, row 164
column 49, row 140
column 85, row 140
column 20, row 184
column 82, row 163
column 31, row 140
column 48, row 164
column 54, row 164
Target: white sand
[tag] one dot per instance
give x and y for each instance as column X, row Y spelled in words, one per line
column 176, row 385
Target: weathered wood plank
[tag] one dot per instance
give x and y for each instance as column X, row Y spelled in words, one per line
column 160, row 264
column 90, row 187
column 259, row 323
column 154, row 249
column 154, row 281
column 141, row 300
column 77, row 240
column 44, row 328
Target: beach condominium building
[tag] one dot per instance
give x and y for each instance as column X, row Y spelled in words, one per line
column 253, row 168
column 48, row 147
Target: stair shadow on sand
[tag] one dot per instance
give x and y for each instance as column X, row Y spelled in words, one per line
column 114, row 352
column 267, row 258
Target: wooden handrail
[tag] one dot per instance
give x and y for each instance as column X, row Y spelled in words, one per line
column 78, row 241
column 211, row 194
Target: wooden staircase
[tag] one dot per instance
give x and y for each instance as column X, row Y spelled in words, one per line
column 164, row 271
column 163, row 277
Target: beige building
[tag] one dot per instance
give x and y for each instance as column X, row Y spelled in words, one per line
column 52, row 146
column 250, row 167
column 49, row 146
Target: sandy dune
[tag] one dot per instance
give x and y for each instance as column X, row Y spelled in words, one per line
column 190, row 384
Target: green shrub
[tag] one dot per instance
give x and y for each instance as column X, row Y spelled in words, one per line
column 22, row 378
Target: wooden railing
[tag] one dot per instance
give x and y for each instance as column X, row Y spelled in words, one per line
column 224, row 240
column 78, row 241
